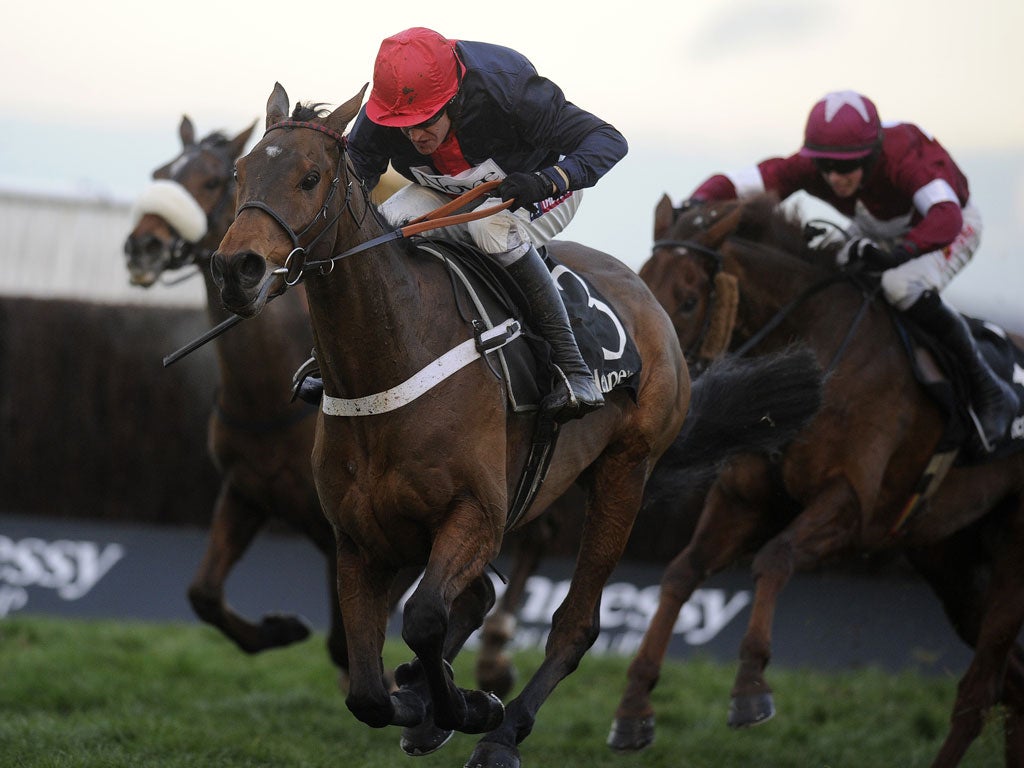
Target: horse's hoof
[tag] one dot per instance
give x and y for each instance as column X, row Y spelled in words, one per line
column 489, row 754
column 279, row 630
column 745, row 711
column 408, row 709
column 424, row 739
column 408, row 673
column 631, row 734
column 484, row 712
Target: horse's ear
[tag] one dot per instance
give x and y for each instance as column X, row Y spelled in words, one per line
column 343, row 115
column 663, row 217
column 187, row 132
column 238, row 143
column 277, row 105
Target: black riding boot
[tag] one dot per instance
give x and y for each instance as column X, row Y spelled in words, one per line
column 576, row 392
column 994, row 401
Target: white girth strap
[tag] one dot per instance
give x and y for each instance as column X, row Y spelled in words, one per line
column 428, row 377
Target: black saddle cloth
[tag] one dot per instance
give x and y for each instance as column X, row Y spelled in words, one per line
column 952, row 391
column 606, row 345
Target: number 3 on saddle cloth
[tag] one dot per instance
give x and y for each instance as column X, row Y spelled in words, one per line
column 940, row 374
column 606, row 346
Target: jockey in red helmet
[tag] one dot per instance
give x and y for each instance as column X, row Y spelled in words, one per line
column 909, row 204
column 416, row 73
column 449, row 115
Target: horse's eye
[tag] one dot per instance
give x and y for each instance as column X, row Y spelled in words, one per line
column 310, row 180
column 212, row 183
column 234, row 174
column 688, row 306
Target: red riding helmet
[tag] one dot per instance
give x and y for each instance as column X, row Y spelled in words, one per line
column 416, row 73
column 842, row 126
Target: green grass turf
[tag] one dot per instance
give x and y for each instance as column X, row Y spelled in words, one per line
column 105, row 694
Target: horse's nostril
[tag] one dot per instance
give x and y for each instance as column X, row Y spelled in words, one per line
column 152, row 246
column 252, row 267
column 217, row 268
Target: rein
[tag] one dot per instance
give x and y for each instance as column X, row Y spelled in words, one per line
column 784, row 311
column 296, row 265
column 693, row 353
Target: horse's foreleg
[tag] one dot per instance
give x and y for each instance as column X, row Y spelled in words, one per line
column 1013, row 700
column 727, row 528
column 465, row 616
column 363, row 595
column 337, row 644
column 958, row 569
column 994, row 672
column 495, row 670
column 612, row 507
column 827, row 525
column 454, row 572
column 235, row 523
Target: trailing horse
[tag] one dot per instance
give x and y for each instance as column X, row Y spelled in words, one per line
column 418, row 450
column 882, row 467
column 258, row 440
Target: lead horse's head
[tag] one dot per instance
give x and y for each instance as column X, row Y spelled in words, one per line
column 292, row 188
column 184, row 212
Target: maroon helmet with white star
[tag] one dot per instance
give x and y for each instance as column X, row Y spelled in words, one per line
column 842, row 126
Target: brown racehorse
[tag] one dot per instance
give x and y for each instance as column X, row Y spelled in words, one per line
column 844, row 484
column 426, row 479
column 259, row 441
column 243, row 446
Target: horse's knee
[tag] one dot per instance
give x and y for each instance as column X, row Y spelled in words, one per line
column 205, row 601
column 577, row 637
column 776, row 557
column 424, row 621
column 375, row 710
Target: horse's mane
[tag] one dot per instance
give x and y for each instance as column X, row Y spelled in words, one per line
column 762, row 222
column 215, row 140
column 309, row 112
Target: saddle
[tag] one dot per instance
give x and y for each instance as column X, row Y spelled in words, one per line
column 606, row 346
column 940, row 374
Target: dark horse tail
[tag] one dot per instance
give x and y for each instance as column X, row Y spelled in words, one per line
column 738, row 405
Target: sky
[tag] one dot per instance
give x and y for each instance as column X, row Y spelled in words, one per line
column 93, row 92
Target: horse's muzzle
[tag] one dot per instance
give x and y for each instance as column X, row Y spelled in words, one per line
column 240, row 278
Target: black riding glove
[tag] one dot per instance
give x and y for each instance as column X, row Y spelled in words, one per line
column 854, row 250
column 873, row 255
column 880, row 259
column 525, row 188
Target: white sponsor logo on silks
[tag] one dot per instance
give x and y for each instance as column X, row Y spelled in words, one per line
column 611, row 379
column 71, row 568
column 488, row 170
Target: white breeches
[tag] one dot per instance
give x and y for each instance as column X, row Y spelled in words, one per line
column 933, row 271
column 504, row 235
